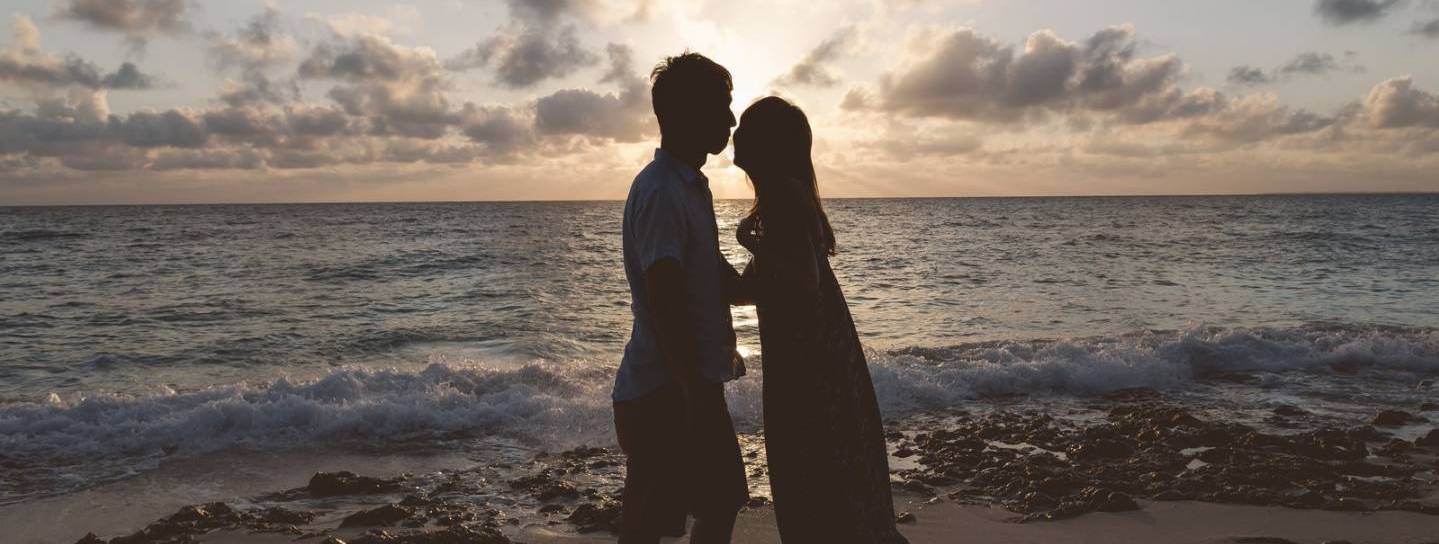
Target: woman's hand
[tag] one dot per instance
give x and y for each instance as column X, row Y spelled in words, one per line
column 748, row 233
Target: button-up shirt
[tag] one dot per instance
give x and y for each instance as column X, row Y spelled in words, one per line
column 670, row 214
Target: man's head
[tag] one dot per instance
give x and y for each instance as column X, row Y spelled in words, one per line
column 691, row 97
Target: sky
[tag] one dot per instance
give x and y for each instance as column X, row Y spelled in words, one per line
column 199, row 101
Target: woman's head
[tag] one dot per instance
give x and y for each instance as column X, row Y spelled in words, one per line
column 772, row 145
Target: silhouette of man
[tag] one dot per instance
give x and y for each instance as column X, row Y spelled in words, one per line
column 670, row 413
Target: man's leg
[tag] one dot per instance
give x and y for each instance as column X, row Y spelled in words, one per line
column 652, row 504
column 714, row 528
column 720, row 487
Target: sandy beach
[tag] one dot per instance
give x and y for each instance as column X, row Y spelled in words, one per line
column 1176, row 523
column 1131, row 467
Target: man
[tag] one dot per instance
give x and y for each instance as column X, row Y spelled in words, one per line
column 670, row 412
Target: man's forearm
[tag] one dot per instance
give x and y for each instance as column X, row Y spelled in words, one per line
column 738, row 290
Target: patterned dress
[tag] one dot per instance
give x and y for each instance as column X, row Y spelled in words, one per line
column 828, row 466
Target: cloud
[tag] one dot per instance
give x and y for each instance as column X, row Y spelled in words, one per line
column 1309, row 63
column 1396, row 103
column 139, row 20
column 963, row 75
column 401, row 90
column 25, row 64
column 258, row 44
column 253, row 49
column 1428, row 29
column 1248, row 75
column 354, row 24
column 502, row 131
column 525, row 57
column 1343, row 12
column 813, row 69
column 622, row 117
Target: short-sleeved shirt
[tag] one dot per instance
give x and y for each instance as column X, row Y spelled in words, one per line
column 670, row 214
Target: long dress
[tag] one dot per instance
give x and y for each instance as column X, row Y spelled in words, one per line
column 828, row 467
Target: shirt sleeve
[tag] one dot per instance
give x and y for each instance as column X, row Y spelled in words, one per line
column 660, row 229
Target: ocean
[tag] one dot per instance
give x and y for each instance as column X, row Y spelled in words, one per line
column 132, row 337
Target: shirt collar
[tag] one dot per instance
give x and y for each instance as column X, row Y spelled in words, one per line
column 687, row 172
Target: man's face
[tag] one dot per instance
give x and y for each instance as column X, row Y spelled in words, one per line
column 714, row 121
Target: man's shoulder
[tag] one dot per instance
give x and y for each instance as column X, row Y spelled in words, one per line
column 655, row 179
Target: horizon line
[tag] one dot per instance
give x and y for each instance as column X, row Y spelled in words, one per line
column 572, row 200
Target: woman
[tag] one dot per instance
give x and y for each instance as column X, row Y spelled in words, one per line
column 827, row 461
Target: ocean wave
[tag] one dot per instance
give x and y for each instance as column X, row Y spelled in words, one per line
column 920, row 378
column 558, row 405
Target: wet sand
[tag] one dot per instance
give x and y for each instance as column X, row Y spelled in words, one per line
column 1172, row 523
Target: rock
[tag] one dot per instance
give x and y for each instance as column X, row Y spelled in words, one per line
column 277, row 515
column 1101, row 449
column 905, row 517
column 415, row 500
column 90, row 538
column 1430, row 440
column 904, row 452
column 383, row 516
column 1429, row 407
column 589, row 518
column 1109, row 501
column 915, row 486
column 1396, row 418
column 1289, row 410
column 333, row 540
column 329, row 484
column 546, row 487
column 1262, row 540
column 584, row 452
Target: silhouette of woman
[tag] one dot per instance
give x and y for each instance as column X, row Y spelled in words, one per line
column 827, row 461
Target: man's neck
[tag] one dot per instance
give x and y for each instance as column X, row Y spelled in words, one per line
column 693, row 157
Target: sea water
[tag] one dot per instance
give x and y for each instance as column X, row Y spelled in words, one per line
column 134, row 336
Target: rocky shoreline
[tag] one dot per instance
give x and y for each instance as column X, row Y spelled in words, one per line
column 1042, row 465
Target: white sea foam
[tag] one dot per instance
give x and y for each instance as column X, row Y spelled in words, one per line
column 554, row 405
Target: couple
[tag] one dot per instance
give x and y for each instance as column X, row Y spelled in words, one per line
column 828, row 466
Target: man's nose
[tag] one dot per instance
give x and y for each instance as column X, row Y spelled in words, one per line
column 732, row 121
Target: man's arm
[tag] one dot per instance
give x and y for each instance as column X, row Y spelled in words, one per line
column 737, row 288
column 664, row 283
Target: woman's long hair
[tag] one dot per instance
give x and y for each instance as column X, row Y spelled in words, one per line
column 773, row 146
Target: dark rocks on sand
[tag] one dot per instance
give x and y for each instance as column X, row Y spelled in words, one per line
column 275, row 514
column 905, row 517
column 383, row 516
column 589, row 518
column 329, row 484
column 1430, row 440
column 90, row 538
column 451, row 535
column 1289, row 410
column 326, row 484
column 1396, row 418
column 1262, row 540
column 1429, row 407
column 546, row 487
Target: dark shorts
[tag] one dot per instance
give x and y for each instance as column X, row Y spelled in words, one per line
column 674, row 468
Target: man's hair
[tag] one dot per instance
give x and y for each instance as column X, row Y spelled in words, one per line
column 679, row 79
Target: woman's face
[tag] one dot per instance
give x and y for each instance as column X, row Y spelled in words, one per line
column 741, row 154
